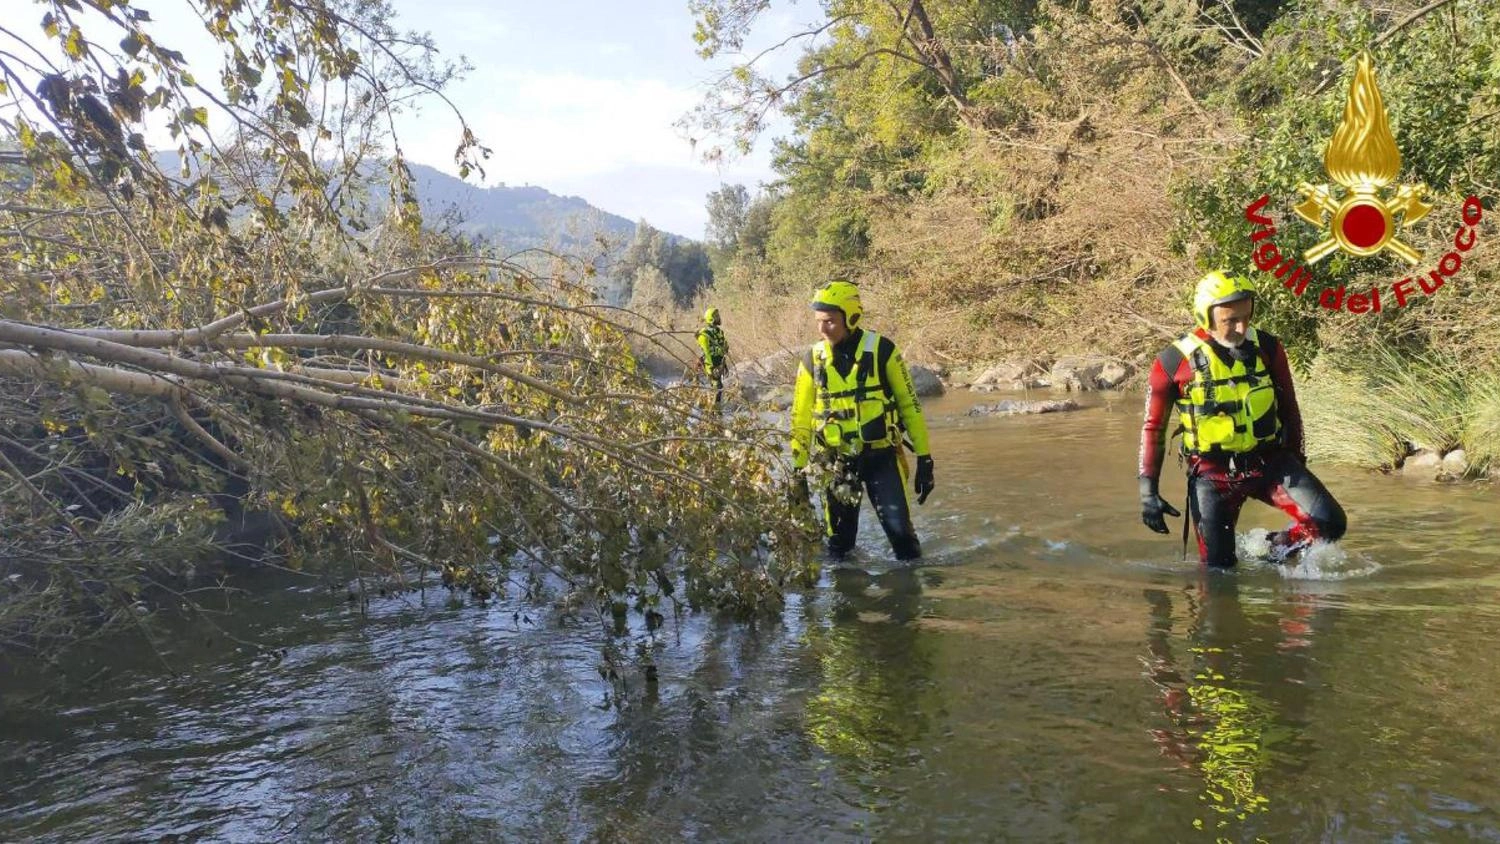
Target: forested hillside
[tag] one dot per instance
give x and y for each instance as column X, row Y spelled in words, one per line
column 1021, row 178
column 1012, row 176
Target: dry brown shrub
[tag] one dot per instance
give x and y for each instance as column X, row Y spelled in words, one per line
column 1053, row 238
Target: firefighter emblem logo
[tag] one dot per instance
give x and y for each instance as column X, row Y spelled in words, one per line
column 1363, row 159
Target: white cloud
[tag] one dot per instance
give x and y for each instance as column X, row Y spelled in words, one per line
column 671, row 198
column 567, row 125
column 464, row 26
column 612, row 141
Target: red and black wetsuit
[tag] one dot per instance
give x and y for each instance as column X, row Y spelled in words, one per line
column 1219, row 484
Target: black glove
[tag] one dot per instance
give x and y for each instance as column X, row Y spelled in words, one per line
column 924, row 484
column 1153, row 506
column 797, row 492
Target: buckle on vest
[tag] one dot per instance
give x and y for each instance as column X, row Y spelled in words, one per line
column 1211, row 407
column 1245, row 465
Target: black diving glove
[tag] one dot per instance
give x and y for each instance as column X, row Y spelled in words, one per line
column 797, row 493
column 924, row 483
column 1153, row 506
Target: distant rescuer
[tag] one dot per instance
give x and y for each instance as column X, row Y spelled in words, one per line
column 713, row 352
column 853, row 398
column 1241, row 429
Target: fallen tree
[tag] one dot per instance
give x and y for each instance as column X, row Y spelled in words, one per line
column 256, row 346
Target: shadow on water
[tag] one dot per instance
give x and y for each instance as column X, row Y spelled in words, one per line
column 780, row 730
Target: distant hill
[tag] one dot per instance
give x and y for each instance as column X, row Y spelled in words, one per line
column 515, row 217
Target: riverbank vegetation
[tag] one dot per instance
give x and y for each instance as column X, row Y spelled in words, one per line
column 1385, row 406
column 251, row 353
column 1008, row 179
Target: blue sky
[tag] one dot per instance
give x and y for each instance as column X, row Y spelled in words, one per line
column 580, row 97
column 576, row 96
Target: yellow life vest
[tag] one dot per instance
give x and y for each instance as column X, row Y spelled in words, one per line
column 715, row 347
column 1228, row 408
column 855, row 411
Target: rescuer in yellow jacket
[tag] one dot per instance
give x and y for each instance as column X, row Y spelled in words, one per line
column 713, row 350
column 853, row 406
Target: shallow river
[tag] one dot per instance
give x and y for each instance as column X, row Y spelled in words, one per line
column 1052, row 672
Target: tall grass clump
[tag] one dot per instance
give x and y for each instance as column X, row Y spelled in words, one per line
column 1375, row 405
column 1482, row 427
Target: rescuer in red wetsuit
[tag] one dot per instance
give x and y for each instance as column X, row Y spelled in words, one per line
column 1230, row 389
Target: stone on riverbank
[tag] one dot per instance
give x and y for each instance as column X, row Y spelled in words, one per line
column 1456, row 463
column 1431, row 465
column 1011, row 375
column 926, row 381
column 778, row 396
column 1086, row 372
column 1423, row 464
column 769, row 379
column 776, row 368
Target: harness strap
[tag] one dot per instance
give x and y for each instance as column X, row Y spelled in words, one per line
column 1199, row 362
column 1187, row 512
column 865, row 368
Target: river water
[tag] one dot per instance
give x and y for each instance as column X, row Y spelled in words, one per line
column 1053, row 671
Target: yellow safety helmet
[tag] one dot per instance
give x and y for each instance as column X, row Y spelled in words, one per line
column 839, row 295
column 1217, row 288
column 711, row 316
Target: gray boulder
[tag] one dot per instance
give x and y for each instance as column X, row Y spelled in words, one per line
column 764, row 378
column 1423, row 464
column 1088, row 372
column 776, row 368
column 1014, row 407
column 926, row 381
column 1456, row 463
column 778, row 396
column 1012, row 375
column 1113, row 375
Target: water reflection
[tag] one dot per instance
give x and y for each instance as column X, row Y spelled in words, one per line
column 876, row 692
column 1006, row 702
column 1234, row 693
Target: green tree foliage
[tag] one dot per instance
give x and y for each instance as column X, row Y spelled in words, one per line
column 243, row 347
column 728, row 208
column 942, row 199
column 1090, row 158
column 739, row 226
column 650, row 291
column 1439, row 76
column 876, row 84
column 927, row 58
column 683, row 263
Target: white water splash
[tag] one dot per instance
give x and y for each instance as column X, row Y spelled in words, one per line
column 1254, row 544
column 1329, row 561
column 1319, row 561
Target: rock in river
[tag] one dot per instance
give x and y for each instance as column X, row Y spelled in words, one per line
column 1013, row 407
